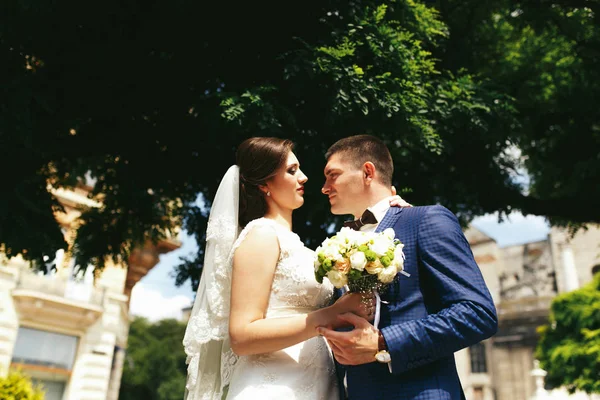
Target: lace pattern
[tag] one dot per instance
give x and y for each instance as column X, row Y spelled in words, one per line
column 294, row 290
column 302, row 371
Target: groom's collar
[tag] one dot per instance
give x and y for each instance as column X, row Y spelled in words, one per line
column 381, row 208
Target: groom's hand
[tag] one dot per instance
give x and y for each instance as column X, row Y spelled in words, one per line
column 355, row 347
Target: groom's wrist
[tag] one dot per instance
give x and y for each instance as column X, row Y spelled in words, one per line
column 381, row 344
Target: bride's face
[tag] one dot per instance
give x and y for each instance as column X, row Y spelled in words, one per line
column 287, row 187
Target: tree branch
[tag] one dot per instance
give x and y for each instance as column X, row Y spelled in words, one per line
column 572, row 208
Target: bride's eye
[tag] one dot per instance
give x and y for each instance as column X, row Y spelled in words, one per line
column 292, row 171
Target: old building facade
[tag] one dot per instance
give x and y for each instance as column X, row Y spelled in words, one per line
column 69, row 332
column 523, row 280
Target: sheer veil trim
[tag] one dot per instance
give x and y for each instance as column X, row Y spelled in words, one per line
column 206, row 341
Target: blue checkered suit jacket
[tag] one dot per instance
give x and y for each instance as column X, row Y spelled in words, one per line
column 442, row 307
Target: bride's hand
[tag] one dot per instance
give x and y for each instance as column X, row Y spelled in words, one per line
column 362, row 305
column 398, row 201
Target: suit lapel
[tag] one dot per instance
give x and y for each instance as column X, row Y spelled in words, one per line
column 389, row 219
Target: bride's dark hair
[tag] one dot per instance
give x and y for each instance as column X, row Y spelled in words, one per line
column 258, row 158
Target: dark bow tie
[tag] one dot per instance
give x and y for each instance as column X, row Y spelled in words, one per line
column 366, row 219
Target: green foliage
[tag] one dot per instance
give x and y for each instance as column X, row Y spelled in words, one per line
column 453, row 87
column 569, row 346
column 18, row 386
column 545, row 55
column 154, row 366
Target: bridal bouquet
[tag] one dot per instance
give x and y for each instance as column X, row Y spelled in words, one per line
column 360, row 261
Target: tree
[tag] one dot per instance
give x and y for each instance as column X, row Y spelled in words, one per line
column 19, row 387
column 545, row 54
column 154, row 365
column 138, row 97
column 569, row 346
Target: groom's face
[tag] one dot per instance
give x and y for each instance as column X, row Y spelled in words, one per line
column 343, row 185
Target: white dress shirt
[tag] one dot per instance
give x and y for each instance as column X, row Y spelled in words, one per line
column 379, row 210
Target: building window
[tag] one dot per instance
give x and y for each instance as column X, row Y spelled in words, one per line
column 478, row 393
column 53, row 390
column 595, row 269
column 47, row 357
column 478, row 360
column 43, row 348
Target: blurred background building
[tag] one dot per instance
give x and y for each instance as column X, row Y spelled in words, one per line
column 523, row 279
column 69, row 330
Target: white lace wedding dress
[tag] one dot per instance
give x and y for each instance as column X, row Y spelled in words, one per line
column 302, row 371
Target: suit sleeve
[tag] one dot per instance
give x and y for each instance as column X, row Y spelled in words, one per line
column 467, row 314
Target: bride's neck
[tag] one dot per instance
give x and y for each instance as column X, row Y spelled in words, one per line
column 281, row 218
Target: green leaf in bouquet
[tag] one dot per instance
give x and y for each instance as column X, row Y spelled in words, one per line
column 363, row 248
column 385, row 260
column 322, row 271
column 354, row 274
column 327, row 265
column 370, row 255
column 319, row 277
column 390, row 255
column 321, row 257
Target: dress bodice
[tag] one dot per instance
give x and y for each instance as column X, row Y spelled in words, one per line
column 294, row 288
column 302, row 371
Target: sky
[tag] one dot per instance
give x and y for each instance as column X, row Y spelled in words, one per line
column 156, row 296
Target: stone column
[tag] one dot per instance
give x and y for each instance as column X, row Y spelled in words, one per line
column 115, row 377
column 9, row 323
column 569, row 269
column 539, row 374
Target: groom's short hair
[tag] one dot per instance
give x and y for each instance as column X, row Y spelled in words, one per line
column 359, row 149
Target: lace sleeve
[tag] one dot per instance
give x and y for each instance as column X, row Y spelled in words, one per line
column 257, row 223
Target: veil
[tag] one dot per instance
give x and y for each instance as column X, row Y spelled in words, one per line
column 206, row 342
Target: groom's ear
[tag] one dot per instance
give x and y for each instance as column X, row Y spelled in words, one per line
column 369, row 172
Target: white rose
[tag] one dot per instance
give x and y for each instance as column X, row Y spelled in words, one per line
column 358, row 261
column 332, row 251
column 337, row 240
column 344, row 233
column 389, row 233
column 380, row 245
column 337, row 279
column 387, row 275
column 355, row 238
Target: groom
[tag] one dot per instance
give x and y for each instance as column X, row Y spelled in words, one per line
column 444, row 305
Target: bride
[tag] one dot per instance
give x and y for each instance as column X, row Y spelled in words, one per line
column 252, row 331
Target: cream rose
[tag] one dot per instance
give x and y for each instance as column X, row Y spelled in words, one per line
column 342, row 265
column 387, row 275
column 374, row 267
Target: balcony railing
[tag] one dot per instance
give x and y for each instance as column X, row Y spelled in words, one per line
column 60, row 287
column 524, row 306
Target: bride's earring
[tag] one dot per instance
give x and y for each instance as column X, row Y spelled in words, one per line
column 269, row 194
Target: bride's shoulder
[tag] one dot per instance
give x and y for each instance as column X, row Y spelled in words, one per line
column 260, row 229
column 260, row 225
